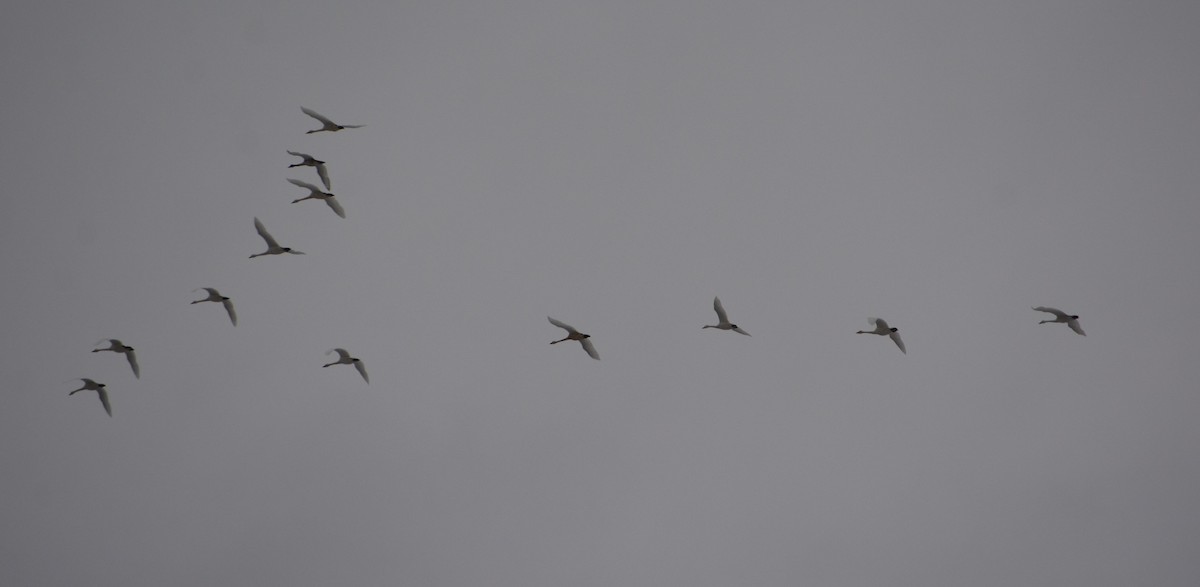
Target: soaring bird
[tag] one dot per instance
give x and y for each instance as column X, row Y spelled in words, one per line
column 344, row 358
column 1061, row 316
column 316, row 194
column 310, row 161
column 326, row 124
column 572, row 334
column 723, row 319
column 273, row 247
column 215, row 296
column 100, row 389
column 882, row 329
column 117, row 346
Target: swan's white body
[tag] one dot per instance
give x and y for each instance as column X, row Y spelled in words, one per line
column 314, row 193
column 572, row 334
column 723, row 322
column 215, row 296
column 1063, row 317
column 100, row 390
column 326, row 124
column 882, row 329
column 344, row 358
column 117, row 346
column 273, row 247
column 310, row 161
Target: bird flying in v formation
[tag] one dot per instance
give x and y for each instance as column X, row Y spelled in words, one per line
column 215, row 296
column 314, row 193
column 723, row 322
column 326, row 124
column 344, row 358
column 310, row 161
column 100, row 390
column 273, row 247
column 882, row 329
column 573, row 334
column 1072, row 322
column 117, row 346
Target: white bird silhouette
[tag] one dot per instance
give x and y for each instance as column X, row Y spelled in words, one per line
column 882, row 329
column 310, row 161
column 273, row 247
column 100, row 389
column 215, row 296
column 1061, row 316
column 344, row 358
column 117, row 346
column 572, row 334
column 326, row 124
column 723, row 322
column 314, row 193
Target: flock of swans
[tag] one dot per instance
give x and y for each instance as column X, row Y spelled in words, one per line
column 273, row 248
column 880, row 326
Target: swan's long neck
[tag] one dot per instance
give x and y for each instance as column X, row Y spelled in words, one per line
column 558, row 341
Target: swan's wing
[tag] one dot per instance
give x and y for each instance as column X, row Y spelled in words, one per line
column 900, row 343
column 313, row 114
column 324, row 173
column 337, row 206
column 590, row 348
column 133, row 364
column 211, row 291
column 262, row 231
column 362, row 370
column 304, row 184
column 110, row 342
column 740, row 331
column 1074, row 325
column 104, row 400
column 881, row 324
column 1055, row 311
column 306, row 156
column 341, row 353
column 87, row 383
column 563, row 325
column 722, row 318
column 229, row 310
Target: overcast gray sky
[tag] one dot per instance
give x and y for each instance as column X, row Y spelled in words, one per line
column 943, row 164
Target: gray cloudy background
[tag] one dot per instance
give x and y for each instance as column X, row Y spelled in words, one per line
column 942, row 164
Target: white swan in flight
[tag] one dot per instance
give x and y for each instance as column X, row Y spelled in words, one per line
column 310, row 161
column 572, row 334
column 344, row 358
column 315, row 193
column 1061, row 316
column 215, row 296
column 882, row 329
column 273, row 247
column 117, row 346
column 326, row 124
column 100, row 389
column 723, row 322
